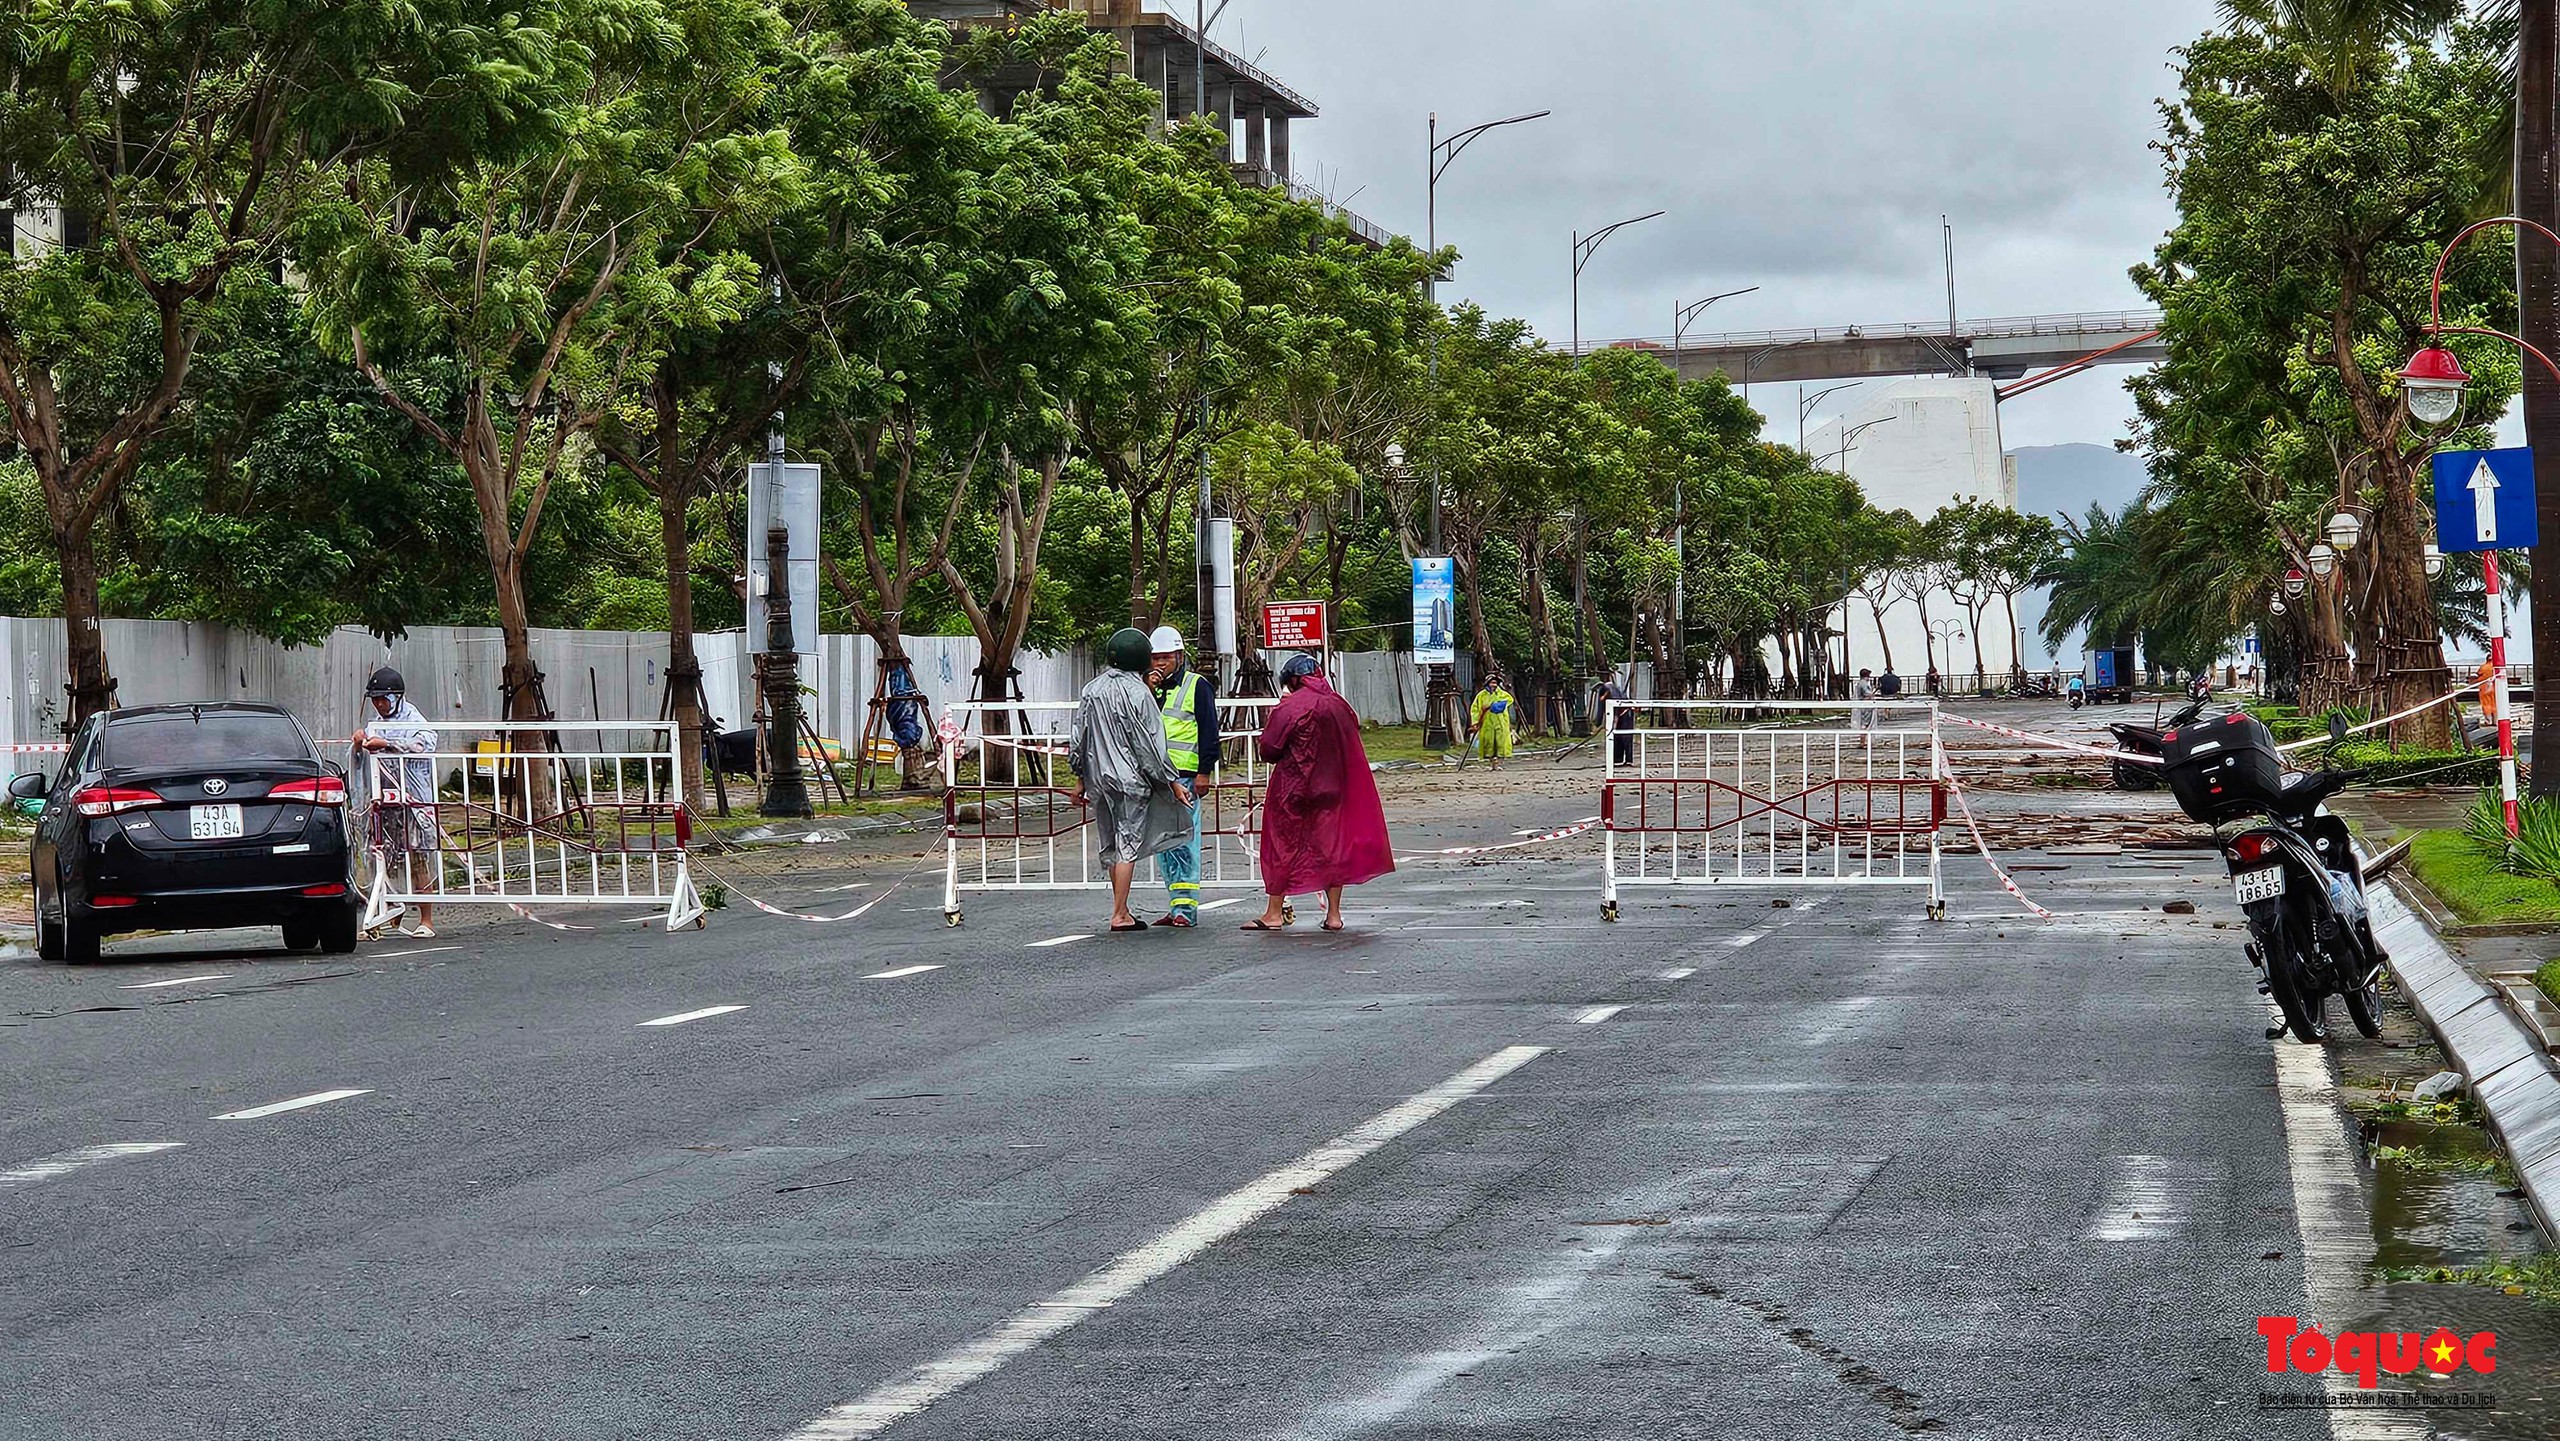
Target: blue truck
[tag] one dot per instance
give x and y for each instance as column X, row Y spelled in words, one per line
column 2106, row 672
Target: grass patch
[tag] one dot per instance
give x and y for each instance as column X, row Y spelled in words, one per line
column 2429, row 1158
column 2547, row 976
column 2537, row 1279
column 2469, row 881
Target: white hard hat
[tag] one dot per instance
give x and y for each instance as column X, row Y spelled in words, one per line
column 1165, row 641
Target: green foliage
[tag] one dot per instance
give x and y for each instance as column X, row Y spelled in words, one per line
column 2470, row 879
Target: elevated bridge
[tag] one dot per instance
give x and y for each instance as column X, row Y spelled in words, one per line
column 2004, row 349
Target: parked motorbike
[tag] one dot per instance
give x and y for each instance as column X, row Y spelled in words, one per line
column 2293, row 867
column 2145, row 740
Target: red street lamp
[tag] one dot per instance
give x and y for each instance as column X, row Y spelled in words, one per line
column 2294, row 582
column 2432, row 383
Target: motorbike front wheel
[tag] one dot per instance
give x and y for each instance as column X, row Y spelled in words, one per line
column 2131, row 777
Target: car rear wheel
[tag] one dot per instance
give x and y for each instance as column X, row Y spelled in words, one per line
column 302, row 935
column 338, row 930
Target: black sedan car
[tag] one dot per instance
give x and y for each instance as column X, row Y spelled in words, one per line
column 171, row 817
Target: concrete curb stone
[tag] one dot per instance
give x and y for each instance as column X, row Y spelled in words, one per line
column 2510, row 1074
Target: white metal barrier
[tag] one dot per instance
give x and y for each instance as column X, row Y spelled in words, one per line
column 477, row 821
column 1773, row 793
column 1010, row 821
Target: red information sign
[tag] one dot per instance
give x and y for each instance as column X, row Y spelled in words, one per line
column 1293, row 625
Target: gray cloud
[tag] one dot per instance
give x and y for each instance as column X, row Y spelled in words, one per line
column 1808, row 148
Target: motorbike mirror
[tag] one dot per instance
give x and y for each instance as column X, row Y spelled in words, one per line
column 2337, row 726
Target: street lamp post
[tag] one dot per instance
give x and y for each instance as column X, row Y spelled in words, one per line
column 1440, row 696
column 2433, row 383
column 1681, row 317
column 1206, row 574
column 1584, row 247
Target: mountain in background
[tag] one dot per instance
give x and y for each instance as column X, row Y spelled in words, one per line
column 2065, row 480
column 2071, row 478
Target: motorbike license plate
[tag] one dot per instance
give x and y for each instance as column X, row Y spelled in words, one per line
column 2263, row 885
column 214, row 823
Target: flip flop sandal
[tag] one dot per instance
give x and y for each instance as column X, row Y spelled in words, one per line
column 1259, row 924
column 1332, row 925
column 1132, row 926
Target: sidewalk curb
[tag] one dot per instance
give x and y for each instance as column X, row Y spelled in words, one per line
column 2510, row 1074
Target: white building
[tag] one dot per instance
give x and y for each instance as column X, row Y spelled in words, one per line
column 1922, row 446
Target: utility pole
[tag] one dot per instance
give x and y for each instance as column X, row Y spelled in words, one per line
column 1205, row 642
column 2538, row 295
column 786, row 791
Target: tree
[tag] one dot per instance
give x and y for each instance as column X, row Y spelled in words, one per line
column 182, row 142
column 551, row 279
column 2317, row 174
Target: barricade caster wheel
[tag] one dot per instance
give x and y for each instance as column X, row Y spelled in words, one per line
column 1608, row 910
column 1937, row 910
column 951, row 918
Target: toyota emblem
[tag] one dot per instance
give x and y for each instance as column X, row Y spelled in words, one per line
column 216, row 786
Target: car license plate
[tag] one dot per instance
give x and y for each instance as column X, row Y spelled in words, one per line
column 2262, row 885
column 214, row 823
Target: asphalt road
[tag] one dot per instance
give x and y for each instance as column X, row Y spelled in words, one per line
column 1823, row 1171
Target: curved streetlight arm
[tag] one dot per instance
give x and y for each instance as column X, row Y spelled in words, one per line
column 1805, row 407
column 1454, row 144
column 1691, row 311
column 1589, row 245
column 2527, row 346
column 2435, row 290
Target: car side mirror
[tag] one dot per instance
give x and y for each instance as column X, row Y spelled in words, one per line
column 30, row 787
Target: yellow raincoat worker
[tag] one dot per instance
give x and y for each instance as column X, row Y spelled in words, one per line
column 1493, row 711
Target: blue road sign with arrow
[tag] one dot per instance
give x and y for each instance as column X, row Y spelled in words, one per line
column 2484, row 499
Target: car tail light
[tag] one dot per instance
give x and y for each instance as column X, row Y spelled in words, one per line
column 108, row 903
column 331, row 889
column 2168, row 737
column 2252, row 848
column 318, row 791
column 108, row 800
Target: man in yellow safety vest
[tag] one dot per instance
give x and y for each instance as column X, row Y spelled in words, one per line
column 1190, row 702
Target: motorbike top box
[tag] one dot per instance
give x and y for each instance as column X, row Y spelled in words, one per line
column 2223, row 769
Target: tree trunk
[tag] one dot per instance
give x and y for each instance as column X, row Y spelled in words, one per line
column 684, row 669
column 1543, row 679
column 1884, row 640
column 93, row 688
column 2413, row 671
column 1478, row 635
column 1585, row 604
column 2537, row 198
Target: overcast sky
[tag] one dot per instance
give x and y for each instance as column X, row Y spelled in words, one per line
column 1804, row 146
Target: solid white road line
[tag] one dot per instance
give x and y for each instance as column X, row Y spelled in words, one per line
column 2146, row 1199
column 1679, row 973
column 1746, row 938
column 431, row 950
column 2328, row 1211
column 51, row 1166
column 1596, row 1015
column 680, row 1019
column 317, row 1098
column 180, row 981
column 901, row 971
column 974, row 1360
column 1059, row 941
column 1222, row 905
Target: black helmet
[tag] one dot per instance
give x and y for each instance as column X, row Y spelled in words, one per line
column 1127, row 650
column 385, row 681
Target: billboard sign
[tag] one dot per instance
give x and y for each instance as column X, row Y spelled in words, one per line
column 1293, row 625
column 1435, row 610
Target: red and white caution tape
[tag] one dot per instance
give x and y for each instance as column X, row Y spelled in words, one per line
column 539, row 921
column 2052, row 744
column 1956, row 788
column 1577, row 828
column 35, row 750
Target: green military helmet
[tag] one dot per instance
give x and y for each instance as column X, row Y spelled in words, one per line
column 1127, row 650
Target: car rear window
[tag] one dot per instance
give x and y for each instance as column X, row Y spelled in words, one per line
column 214, row 738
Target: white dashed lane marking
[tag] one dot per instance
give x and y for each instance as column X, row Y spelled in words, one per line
column 46, row 1168
column 975, row 1360
column 431, row 950
column 1059, row 941
column 274, row 1108
column 179, row 981
column 1596, row 1015
column 1679, row 973
column 1222, row 905
column 682, row 1017
column 901, row 971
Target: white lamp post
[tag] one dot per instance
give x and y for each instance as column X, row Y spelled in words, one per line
column 2323, row 560
column 2345, row 530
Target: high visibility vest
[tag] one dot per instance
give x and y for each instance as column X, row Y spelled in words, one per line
column 1182, row 723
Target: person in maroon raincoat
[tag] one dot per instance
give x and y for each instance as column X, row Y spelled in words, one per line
column 1322, row 826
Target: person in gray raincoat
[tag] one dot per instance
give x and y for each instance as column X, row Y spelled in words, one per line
column 1141, row 807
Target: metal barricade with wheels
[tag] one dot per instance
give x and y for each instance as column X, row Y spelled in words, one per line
column 1774, row 793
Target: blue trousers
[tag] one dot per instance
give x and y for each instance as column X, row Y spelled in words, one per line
column 1181, row 870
